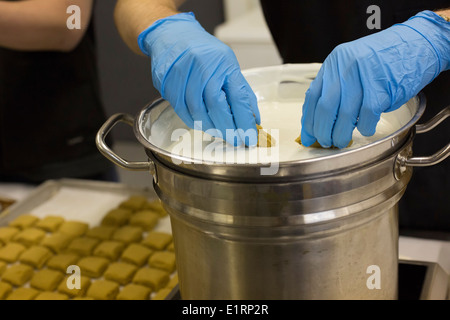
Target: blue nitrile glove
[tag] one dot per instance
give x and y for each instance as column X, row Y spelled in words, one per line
column 200, row 76
column 378, row 73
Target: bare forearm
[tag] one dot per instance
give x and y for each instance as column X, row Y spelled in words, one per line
column 134, row 16
column 444, row 12
column 35, row 25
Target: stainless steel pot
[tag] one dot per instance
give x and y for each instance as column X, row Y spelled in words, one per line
column 320, row 228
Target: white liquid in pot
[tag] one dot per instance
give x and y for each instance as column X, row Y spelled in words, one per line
column 283, row 121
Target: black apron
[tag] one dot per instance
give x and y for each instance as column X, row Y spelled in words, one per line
column 307, row 31
column 50, row 111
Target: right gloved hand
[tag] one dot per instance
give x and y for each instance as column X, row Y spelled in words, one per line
column 201, row 78
column 378, row 73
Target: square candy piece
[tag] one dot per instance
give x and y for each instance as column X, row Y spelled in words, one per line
column 24, row 221
column 61, row 261
column 134, row 292
column 7, row 233
column 46, row 279
column 101, row 232
column 74, row 287
column 36, row 256
column 157, row 240
column 18, row 274
column 147, row 220
column 49, row 223
column 46, row 295
column 116, row 217
column 134, row 203
column 57, row 241
column 120, row 272
column 29, row 236
column 152, row 278
column 5, row 290
column 103, row 290
column 82, row 246
column 74, row 228
column 109, row 249
column 23, row 294
column 11, row 252
column 93, row 267
column 3, row 266
column 128, row 234
column 164, row 260
column 136, row 254
column 155, row 206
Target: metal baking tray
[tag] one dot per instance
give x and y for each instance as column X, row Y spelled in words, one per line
column 422, row 280
column 5, row 203
column 82, row 200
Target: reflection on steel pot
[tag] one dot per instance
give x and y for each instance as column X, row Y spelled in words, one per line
column 323, row 225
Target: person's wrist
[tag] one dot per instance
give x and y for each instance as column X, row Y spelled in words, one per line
column 144, row 38
column 444, row 15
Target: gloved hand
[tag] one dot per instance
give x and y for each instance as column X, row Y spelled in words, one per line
column 201, row 78
column 378, row 73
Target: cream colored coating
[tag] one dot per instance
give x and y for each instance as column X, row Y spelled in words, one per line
column 282, row 120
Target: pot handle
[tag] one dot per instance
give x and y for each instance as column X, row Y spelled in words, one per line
column 113, row 157
column 438, row 156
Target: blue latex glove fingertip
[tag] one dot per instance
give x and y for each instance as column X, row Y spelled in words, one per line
column 307, row 140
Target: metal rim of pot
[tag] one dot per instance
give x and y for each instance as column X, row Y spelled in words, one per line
column 299, row 169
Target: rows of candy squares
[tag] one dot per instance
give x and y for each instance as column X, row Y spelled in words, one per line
column 122, row 258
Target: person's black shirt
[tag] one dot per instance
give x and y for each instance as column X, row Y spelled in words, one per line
column 50, row 112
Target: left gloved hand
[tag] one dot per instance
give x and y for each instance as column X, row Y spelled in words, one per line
column 361, row 79
column 201, row 78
